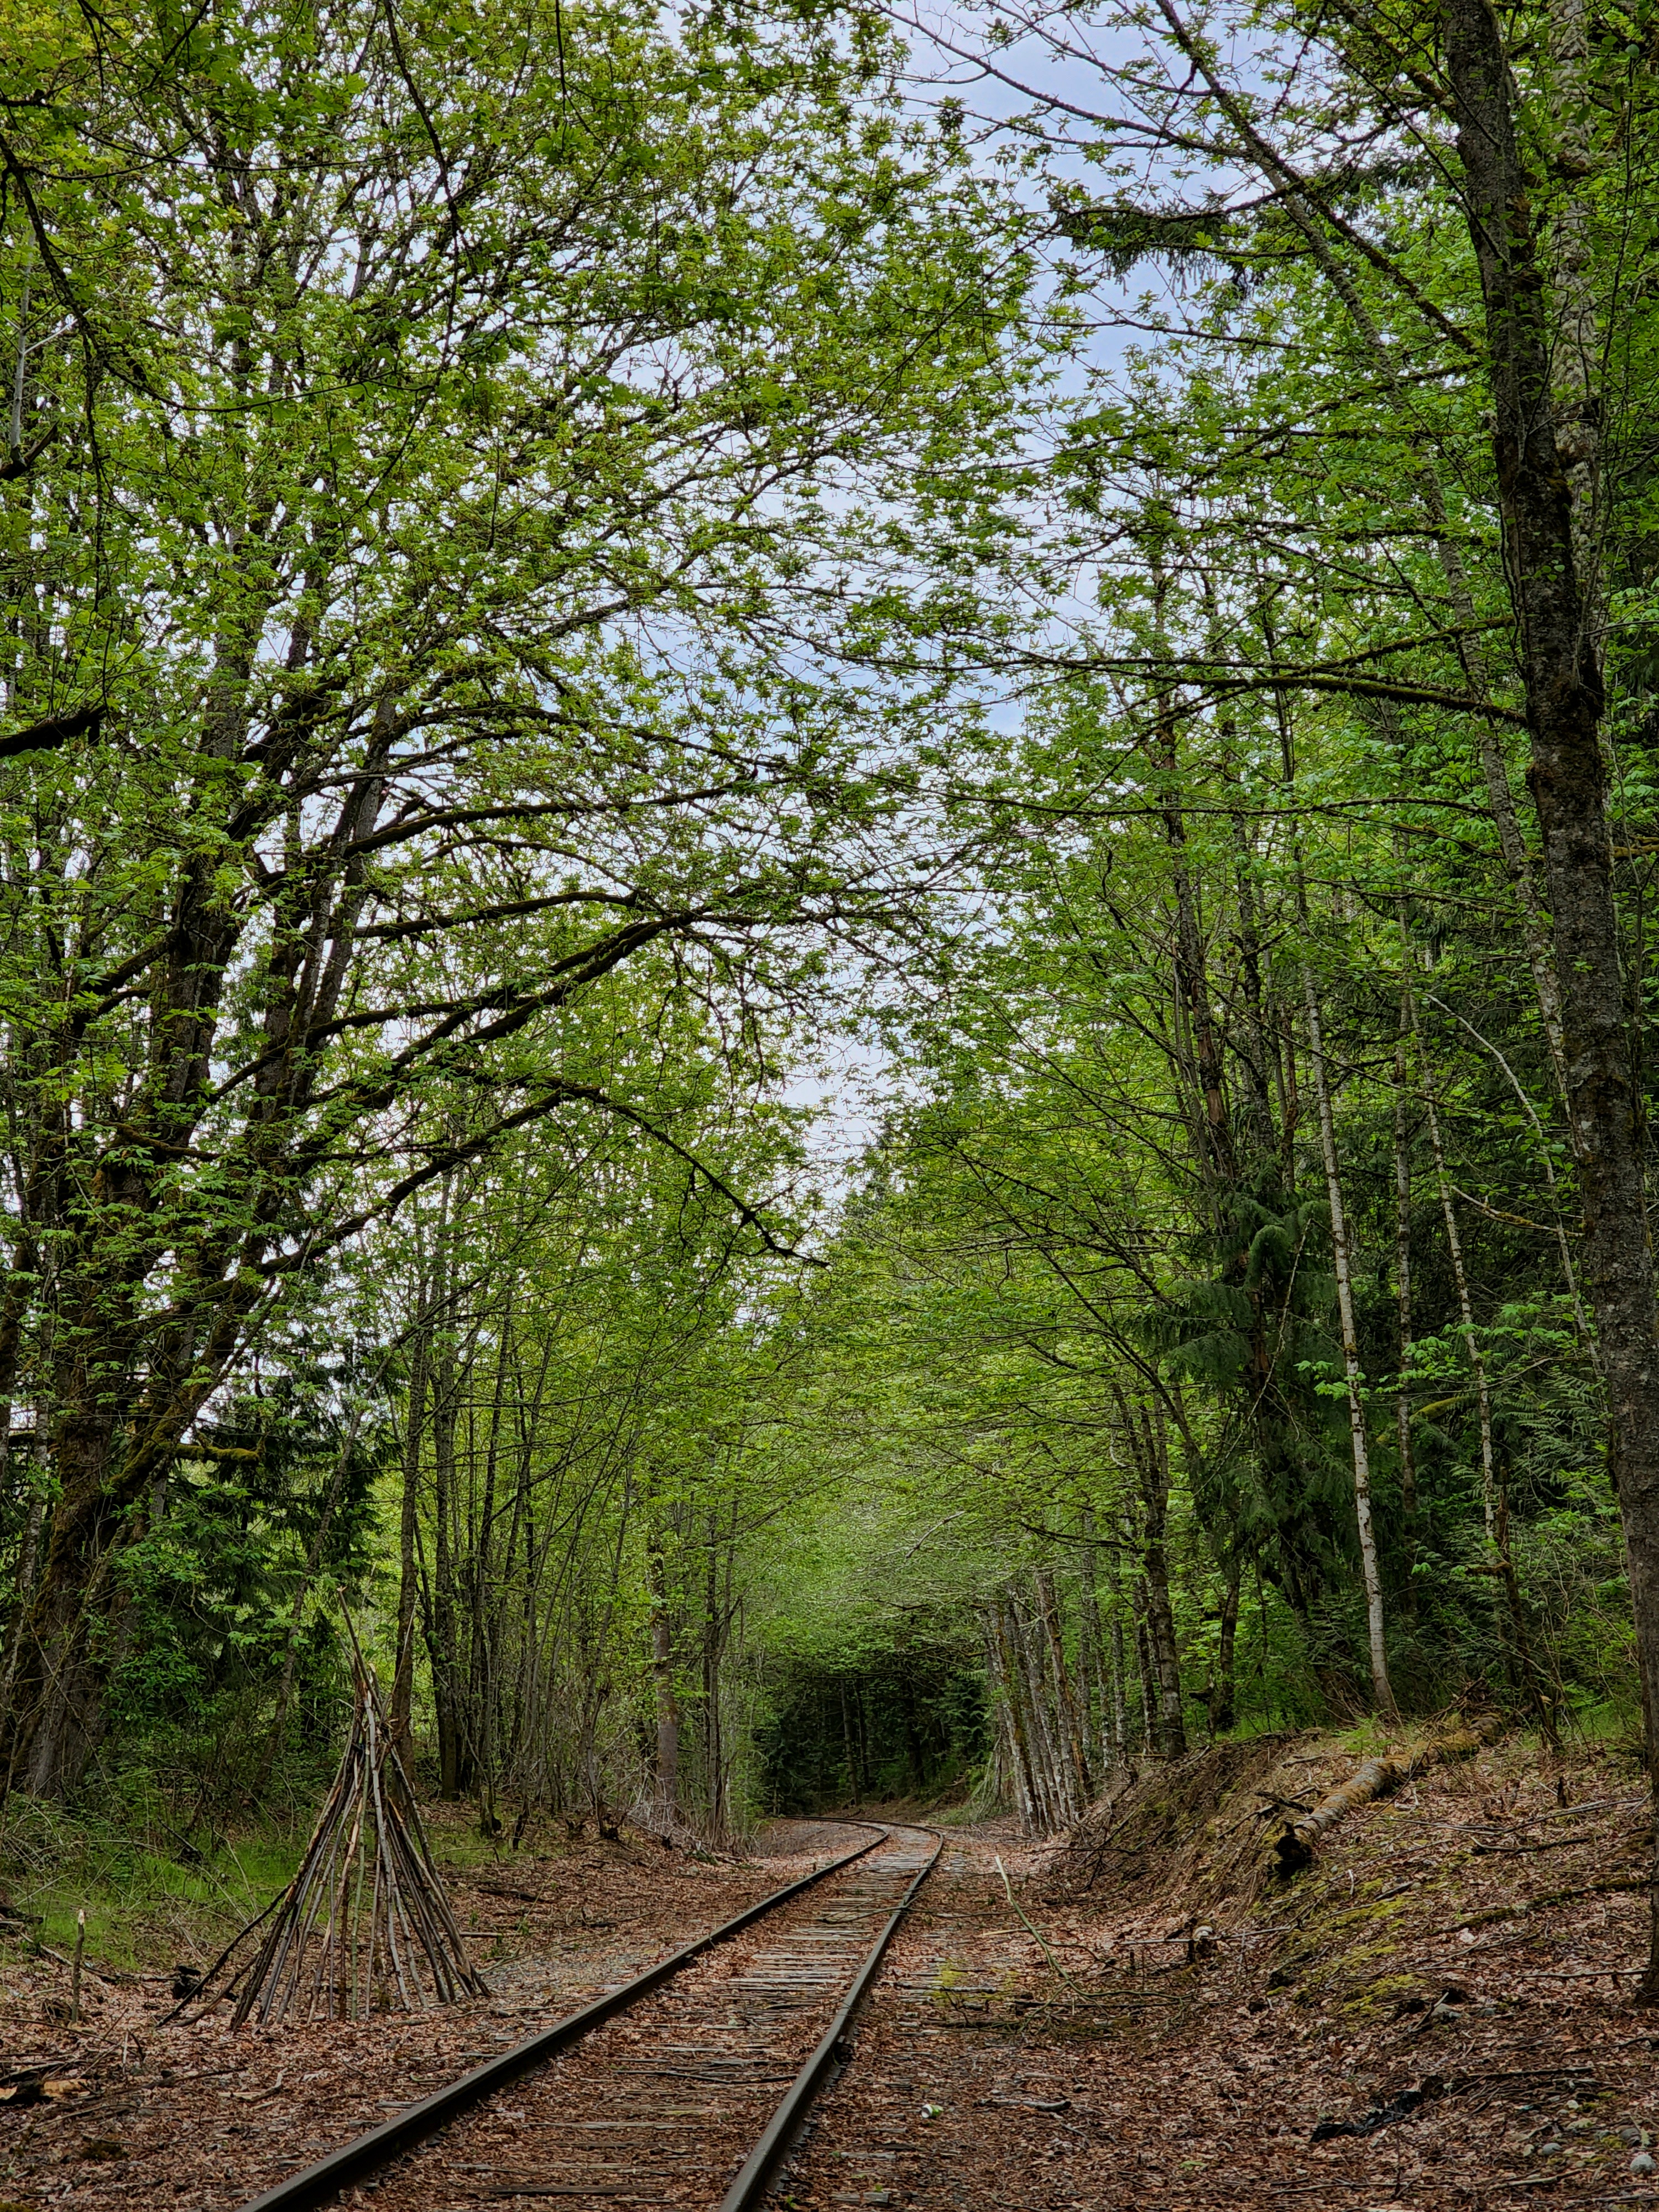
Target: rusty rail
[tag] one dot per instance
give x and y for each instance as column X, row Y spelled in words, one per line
column 826, row 2061
column 376, row 2148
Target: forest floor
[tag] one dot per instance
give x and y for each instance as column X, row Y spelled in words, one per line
column 122, row 2111
column 1444, row 1998
column 1153, row 2020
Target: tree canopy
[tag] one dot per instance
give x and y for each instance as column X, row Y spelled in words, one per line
column 571, row 574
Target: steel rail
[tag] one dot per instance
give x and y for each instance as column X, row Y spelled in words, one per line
column 769, row 2154
column 379, row 2146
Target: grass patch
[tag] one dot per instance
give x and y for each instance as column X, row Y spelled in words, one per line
column 151, row 1898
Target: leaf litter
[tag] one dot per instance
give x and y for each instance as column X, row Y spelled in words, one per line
column 1431, row 2016
column 202, row 2117
column 1436, row 2013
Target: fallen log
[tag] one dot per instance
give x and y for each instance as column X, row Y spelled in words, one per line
column 1377, row 1777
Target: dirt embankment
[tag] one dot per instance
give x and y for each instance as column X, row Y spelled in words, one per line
column 1436, row 2012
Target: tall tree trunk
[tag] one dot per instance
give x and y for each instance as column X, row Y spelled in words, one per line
column 1255, row 1040
column 853, row 1793
column 1381, row 1689
column 1096, row 1700
column 1199, row 1064
column 1011, row 1781
column 1070, row 1718
column 1146, row 1672
column 484, row 1620
column 1517, row 1642
column 1402, row 1290
column 1567, row 775
column 1013, row 1705
column 716, row 1616
column 1473, row 1348
column 28, row 1568
column 1223, row 1690
column 1577, row 354
column 55, row 1719
column 667, row 1702
column 409, row 1586
column 1169, row 1737
column 1120, row 1690
column 1039, row 1724
column 445, row 1657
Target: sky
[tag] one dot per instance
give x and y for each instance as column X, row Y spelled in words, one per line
column 851, row 1083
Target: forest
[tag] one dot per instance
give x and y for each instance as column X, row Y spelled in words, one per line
column 826, row 863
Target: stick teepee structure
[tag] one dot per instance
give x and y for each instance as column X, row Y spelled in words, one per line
column 365, row 1925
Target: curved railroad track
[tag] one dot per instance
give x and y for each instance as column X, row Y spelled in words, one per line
column 684, row 2087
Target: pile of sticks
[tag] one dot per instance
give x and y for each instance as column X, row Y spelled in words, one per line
column 365, row 1926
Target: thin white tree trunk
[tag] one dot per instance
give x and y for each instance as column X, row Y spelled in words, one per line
column 1477, row 1358
column 1381, row 1689
column 1494, row 1504
column 1402, row 1262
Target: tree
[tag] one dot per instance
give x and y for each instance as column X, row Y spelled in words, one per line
column 424, row 427
column 1323, row 168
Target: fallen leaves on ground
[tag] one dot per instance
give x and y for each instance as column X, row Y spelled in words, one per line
column 1436, row 2014
column 121, row 2111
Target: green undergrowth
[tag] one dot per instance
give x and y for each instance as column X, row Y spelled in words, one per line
column 152, row 1898
column 156, row 1897
column 463, row 1845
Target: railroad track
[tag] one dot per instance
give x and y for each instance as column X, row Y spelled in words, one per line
column 685, row 2086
